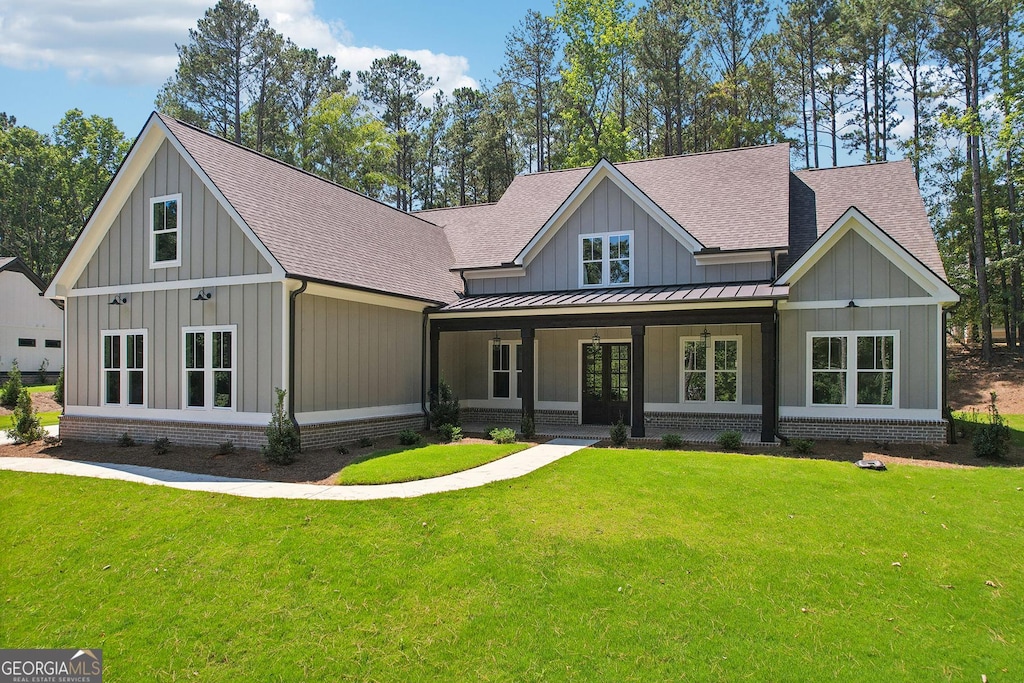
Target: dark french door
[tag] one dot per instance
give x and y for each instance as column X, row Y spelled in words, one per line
column 605, row 383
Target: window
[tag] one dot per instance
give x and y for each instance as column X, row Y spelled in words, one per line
column 124, row 368
column 606, row 259
column 26, row 342
column 710, row 370
column 53, row 343
column 165, row 233
column 505, row 376
column 853, row 369
column 209, row 367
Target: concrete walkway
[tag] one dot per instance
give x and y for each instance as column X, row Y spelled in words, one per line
column 510, row 467
column 52, row 430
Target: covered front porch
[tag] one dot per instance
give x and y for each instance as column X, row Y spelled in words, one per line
column 693, row 368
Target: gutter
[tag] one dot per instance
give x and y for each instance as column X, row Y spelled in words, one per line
column 291, row 354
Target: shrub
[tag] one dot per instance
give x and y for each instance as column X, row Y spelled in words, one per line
column 340, row 449
column 282, row 435
column 449, row 433
column 41, row 373
column 992, row 439
column 802, row 446
column 125, row 440
column 11, row 391
column 503, row 435
column 730, row 439
column 226, row 448
column 619, row 433
column 444, row 406
column 58, row 388
column 162, row 445
column 527, row 428
column 365, row 442
column 25, row 425
column 671, row 441
column 407, row 437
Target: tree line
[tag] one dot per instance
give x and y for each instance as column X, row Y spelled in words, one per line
column 934, row 81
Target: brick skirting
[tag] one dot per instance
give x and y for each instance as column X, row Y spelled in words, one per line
column 512, row 416
column 741, row 422
column 331, row 434
column 895, row 431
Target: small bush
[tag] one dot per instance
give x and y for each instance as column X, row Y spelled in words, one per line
column 365, row 442
column 41, row 373
column 992, row 439
column 340, row 449
column 125, row 440
column 11, row 391
column 730, row 439
column 226, row 448
column 527, row 428
column 444, row 406
column 407, row 437
column 58, row 388
column 671, row 441
column 802, row 446
column 25, row 426
column 449, row 433
column 619, row 433
column 503, row 435
column 282, row 435
column 162, row 445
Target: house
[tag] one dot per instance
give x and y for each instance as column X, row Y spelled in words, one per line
column 712, row 291
column 31, row 327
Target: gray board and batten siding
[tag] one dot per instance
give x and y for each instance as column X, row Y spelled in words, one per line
column 464, row 361
column 256, row 309
column 212, row 244
column 658, row 258
column 356, row 355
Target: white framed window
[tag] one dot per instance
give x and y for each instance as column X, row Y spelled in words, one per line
column 209, row 375
column 505, row 370
column 606, row 259
column 710, row 369
column 853, row 369
column 123, row 363
column 165, row 231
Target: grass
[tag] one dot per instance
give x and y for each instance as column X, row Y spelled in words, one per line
column 408, row 464
column 608, row 565
column 42, row 388
column 46, row 419
column 1014, row 422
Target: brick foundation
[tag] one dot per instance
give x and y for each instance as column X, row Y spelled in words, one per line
column 330, row 434
column 512, row 416
column 896, row 431
column 741, row 422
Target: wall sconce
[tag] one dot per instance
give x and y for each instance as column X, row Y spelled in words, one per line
column 705, row 335
column 118, row 300
column 496, row 342
column 203, row 295
column 595, row 342
column 852, row 304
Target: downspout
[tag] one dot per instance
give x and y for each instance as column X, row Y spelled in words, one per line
column 291, row 355
column 424, row 340
column 946, row 412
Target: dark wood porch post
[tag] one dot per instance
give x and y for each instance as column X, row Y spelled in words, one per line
column 769, row 383
column 636, row 389
column 435, row 360
column 526, row 388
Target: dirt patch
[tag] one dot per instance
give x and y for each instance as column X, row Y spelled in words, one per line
column 311, row 467
column 970, row 380
column 42, row 400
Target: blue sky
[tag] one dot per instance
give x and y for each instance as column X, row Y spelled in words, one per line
column 110, row 57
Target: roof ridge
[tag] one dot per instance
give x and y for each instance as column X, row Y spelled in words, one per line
column 863, row 164
column 292, row 167
column 448, row 208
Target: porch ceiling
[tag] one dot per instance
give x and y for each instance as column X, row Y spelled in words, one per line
column 668, row 294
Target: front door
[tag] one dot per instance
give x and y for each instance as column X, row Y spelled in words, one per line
column 605, row 383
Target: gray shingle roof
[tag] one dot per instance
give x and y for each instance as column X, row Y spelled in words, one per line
column 887, row 193
column 320, row 230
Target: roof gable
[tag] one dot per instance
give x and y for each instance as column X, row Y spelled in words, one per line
column 855, row 220
column 16, row 265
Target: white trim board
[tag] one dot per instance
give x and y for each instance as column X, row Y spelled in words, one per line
column 861, row 413
column 350, row 414
column 860, row 303
column 359, row 296
column 606, row 308
column 226, row 418
column 199, row 283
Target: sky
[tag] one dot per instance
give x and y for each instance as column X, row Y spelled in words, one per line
column 110, row 57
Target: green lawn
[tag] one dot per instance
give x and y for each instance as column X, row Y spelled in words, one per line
column 45, row 419
column 1014, row 422
column 409, row 464
column 42, row 388
column 606, row 566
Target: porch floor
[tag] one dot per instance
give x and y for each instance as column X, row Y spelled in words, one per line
column 695, row 437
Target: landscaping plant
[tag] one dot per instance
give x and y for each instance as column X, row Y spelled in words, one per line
column 619, row 433
column 408, row 437
column 992, row 439
column 527, row 427
column 12, row 388
column 802, row 446
column 730, row 439
column 503, row 435
column 125, row 440
column 671, row 441
column 282, row 435
column 25, row 425
column 449, row 433
column 58, row 388
column 444, row 406
column 162, row 445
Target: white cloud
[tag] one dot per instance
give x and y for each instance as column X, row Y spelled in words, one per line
column 131, row 42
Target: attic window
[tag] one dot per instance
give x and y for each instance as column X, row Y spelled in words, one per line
column 165, row 231
column 606, row 259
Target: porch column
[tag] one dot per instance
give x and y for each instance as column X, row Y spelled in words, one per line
column 769, row 385
column 526, row 379
column 435, row 360
column 636, row 381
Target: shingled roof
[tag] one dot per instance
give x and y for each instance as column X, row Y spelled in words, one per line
column 317, row 229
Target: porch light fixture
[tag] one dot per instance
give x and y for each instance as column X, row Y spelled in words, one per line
column 595, row 341
column 203, row 295
column 852, row 304
column 496, row 342
column 705, row 335
column 118, row 300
